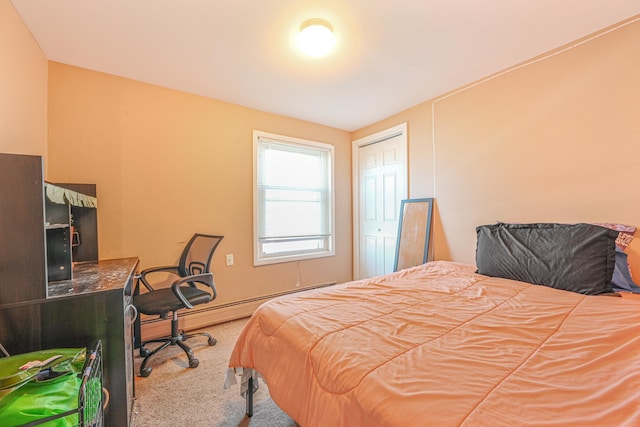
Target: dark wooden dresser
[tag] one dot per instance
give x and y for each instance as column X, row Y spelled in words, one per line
column 53, row 290
column 95, row 304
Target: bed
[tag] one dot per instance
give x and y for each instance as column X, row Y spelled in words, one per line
column 442, row 344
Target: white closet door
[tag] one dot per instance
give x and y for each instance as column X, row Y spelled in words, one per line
column 381, row 188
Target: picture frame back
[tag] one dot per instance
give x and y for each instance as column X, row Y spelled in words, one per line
column 414, row 233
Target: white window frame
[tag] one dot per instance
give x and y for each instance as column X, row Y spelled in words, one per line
column 259, row 258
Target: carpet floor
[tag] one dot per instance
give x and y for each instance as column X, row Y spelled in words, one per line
column 176, row 395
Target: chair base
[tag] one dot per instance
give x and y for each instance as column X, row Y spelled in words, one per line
column 177, row 338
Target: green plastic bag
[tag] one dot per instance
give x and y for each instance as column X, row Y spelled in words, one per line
column 40, row 384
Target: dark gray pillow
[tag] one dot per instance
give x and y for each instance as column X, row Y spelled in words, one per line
column 574, row 257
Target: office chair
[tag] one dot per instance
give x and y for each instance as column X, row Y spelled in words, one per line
column 194, row 269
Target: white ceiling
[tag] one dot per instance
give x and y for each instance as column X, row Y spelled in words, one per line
column 391, row 55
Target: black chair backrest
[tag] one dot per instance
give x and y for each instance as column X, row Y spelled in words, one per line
column 198, row 254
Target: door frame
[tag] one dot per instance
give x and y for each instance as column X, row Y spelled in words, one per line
column 398, row 130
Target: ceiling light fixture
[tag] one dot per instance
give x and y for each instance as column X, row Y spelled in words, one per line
column 316, row 37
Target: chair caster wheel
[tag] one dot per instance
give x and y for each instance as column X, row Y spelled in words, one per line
column 144, row 352
column 145, row 372
column 193, row 363
column 212, row 341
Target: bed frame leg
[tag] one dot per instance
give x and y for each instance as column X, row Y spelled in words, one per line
column 250, row 398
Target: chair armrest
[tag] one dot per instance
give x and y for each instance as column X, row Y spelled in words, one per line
column 173, row 269
column 205, row 279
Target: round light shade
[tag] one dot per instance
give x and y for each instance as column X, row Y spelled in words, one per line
column 316, row 37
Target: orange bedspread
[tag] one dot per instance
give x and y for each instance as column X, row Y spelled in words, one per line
column 438, row 345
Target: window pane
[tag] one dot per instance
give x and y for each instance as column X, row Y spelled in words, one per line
column 283, row 194
column 284, row 169
column 286, row 219
column 291, row 247
column 294, row 201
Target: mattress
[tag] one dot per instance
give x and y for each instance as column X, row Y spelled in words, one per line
column 440, row 345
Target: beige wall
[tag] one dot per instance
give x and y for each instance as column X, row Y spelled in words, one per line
column 168, row 164
column 23, row 87
column 555, row 140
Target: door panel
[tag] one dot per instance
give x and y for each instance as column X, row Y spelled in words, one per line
column 369, row 250
column 381, row 186
column 390, row 194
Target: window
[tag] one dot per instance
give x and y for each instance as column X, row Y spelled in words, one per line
column 293, row 199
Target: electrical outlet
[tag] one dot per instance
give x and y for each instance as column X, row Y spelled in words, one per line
column 229, row 259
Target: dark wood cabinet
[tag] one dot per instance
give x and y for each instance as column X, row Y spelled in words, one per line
column 22, row 238
column 53, row 290
column 95, row 304
column 59, row 261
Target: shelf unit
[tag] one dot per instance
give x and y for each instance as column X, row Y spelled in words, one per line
column 71, row 227
column 47, row 230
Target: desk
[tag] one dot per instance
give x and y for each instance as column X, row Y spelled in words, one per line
column 95, row 304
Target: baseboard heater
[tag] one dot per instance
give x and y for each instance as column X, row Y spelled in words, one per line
column 241, row 302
